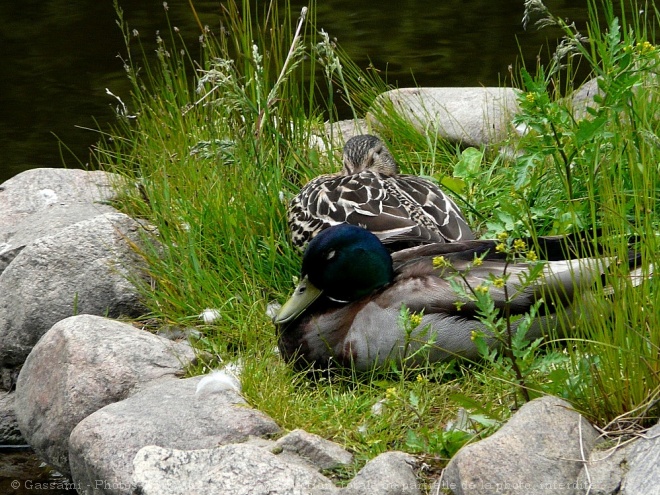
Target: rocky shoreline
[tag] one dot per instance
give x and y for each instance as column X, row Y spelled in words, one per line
column 105, row 403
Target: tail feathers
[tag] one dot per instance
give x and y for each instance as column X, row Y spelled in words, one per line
column 584, row 244
column 637, row 276
column 568, row 276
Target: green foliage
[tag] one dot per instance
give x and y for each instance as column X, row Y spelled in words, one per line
column 504, row 344
column 597, row 167
column 213, row 160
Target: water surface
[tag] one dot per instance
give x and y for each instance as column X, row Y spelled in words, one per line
column 60, row 55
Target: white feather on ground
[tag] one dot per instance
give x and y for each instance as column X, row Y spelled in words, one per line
column 219, row 381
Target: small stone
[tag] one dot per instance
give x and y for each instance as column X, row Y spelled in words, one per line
column 390, row 473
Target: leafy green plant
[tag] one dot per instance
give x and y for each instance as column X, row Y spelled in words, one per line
column 585, row 166
column 596, row 167
column 504, row 344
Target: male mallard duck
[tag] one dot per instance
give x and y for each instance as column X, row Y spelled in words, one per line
column 348, row 303
column 402, row 210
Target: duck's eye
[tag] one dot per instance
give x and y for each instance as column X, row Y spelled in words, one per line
column 330, row 255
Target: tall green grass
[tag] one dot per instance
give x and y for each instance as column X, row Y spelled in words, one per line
column 215, row 150
column 600, row 170
column 214, row 145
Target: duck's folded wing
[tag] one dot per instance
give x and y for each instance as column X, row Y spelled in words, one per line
column 358, row 200
column 436, row 207
column 411, row 211
column 425, row 285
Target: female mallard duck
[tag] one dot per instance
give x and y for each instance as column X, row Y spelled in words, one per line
column 348, row 303
column 401, row 210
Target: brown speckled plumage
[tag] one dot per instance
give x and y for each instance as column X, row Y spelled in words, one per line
column 401, row 210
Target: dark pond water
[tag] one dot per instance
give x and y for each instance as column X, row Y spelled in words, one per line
column 22, row 473
column 60, row 55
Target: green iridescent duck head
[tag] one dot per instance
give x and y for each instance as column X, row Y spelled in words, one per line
column 342, row 263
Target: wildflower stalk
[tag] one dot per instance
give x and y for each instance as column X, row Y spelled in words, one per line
column 499, row 322
column 289, row 56
column 508, row 348
column 289, row 64
column 332, row 63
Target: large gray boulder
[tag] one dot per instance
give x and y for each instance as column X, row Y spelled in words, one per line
column 239, row 469
column 475, row 116
column 39, row 189
column 604, row 472
column 643, row 476
column 540, row 450
column 83, row 268
column 631, row 468
column 14, row 238
column 318, row 451
column 169, row 415
column 337, row 133
column 82, row 364
column 583, row 98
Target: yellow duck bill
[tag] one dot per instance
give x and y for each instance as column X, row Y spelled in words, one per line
column 303, row 296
